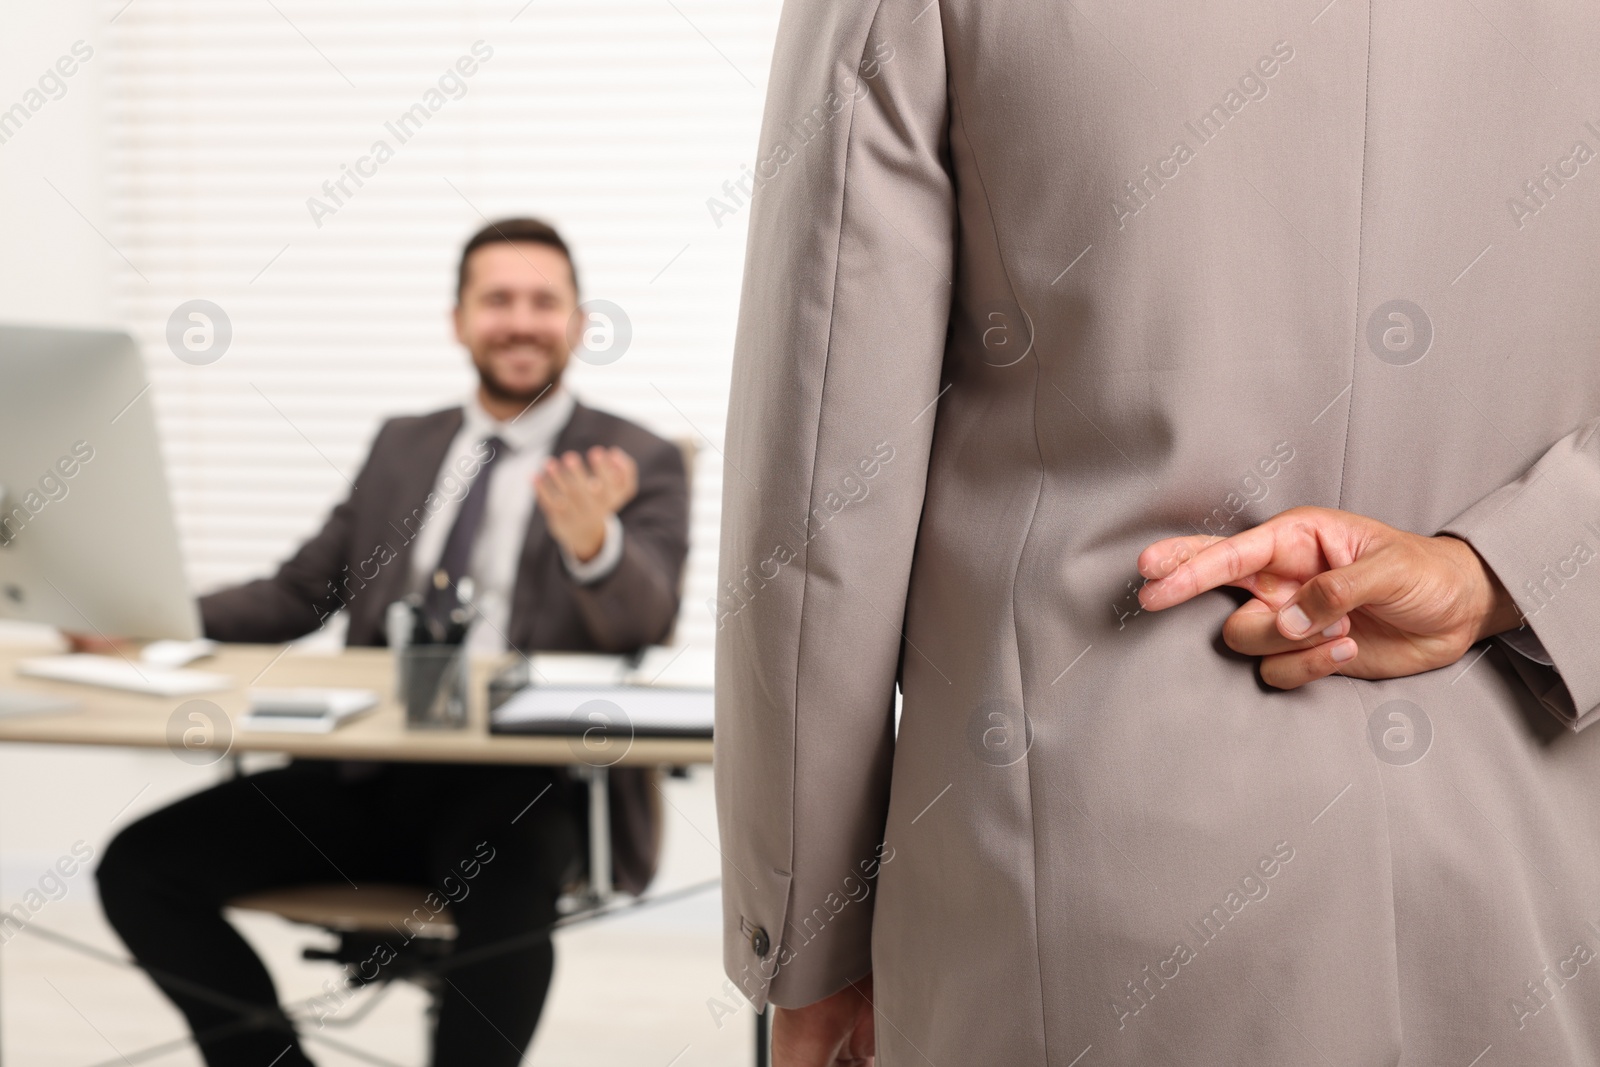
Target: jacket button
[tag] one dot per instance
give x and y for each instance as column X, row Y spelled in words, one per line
column 760, row 942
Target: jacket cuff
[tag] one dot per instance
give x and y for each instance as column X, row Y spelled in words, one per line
column 1539, row 535
column 789, row 952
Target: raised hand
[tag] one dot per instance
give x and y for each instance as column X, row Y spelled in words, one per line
column 576, row 496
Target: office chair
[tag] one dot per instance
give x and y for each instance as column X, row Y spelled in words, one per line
column 363, row 920
column 385, row 933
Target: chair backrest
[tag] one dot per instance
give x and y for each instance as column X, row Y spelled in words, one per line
column 689, row 450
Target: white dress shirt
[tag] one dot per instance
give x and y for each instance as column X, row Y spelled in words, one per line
column 529, row 439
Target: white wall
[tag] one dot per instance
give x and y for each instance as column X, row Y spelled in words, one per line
column 53, row 267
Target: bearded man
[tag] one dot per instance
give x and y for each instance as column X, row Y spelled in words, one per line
column 572, row 526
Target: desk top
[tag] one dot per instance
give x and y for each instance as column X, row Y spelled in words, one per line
column 114, row 718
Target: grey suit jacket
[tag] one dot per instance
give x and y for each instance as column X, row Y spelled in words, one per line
column 1031, row 285
column 360, row 561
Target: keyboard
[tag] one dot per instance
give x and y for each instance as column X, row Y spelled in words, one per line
column 113, row 672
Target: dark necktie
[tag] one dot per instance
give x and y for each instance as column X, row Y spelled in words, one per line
column 441, row 597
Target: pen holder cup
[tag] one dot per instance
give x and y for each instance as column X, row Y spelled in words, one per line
column 434, row 686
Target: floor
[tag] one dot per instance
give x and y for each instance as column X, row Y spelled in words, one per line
column 644, row 989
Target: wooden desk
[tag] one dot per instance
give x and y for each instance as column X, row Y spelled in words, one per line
column 130, row 720
column 110, row 717
column 113, row 718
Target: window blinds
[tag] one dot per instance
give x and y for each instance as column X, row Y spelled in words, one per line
column 245, row 170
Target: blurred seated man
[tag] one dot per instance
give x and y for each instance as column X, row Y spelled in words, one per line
column 572, row 525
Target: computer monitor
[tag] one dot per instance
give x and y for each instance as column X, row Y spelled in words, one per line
column 87, row 538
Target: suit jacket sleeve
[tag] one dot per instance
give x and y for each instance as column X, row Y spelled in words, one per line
column 842, row 327
column 303, row 593
column 635, row 603
column 1540, row 534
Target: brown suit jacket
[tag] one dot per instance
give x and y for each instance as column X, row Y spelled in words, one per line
column 361, row 558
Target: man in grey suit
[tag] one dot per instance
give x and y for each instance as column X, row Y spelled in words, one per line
column 1192, row 410
column 572, row 526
